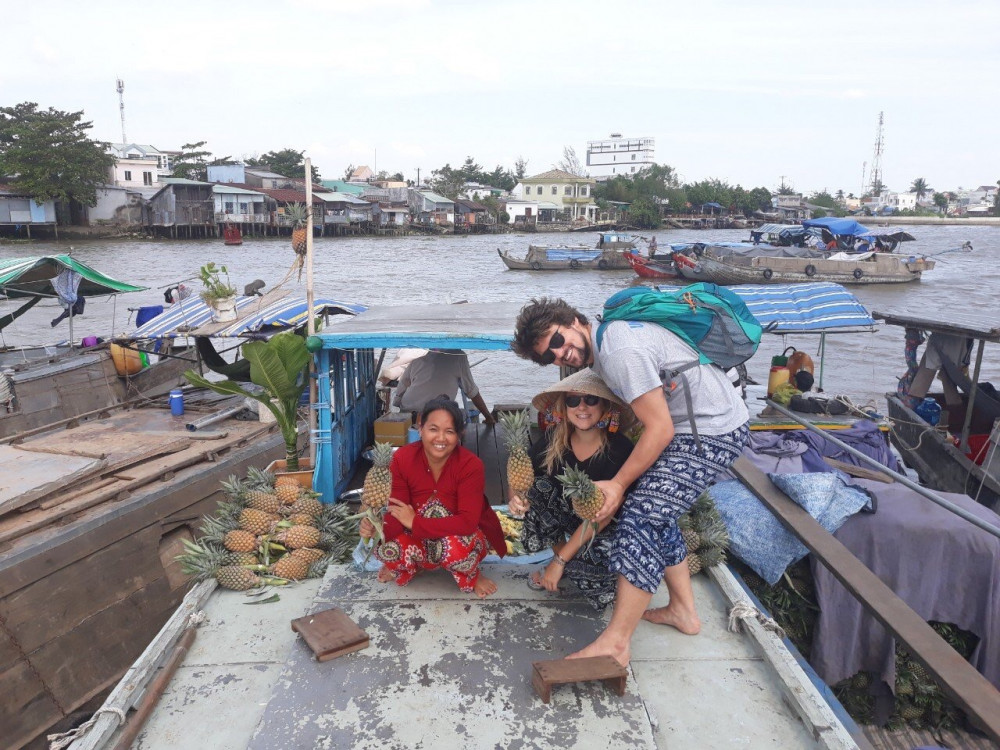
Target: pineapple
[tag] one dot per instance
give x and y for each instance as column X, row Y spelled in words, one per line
column 298, row 519
column 259, row 479
column 585, row 496
column 309, row 554
column 201, row 559
column 861, row 680
column 288, row 491
column 377, row 487
column 307, row 504
column 691, row 540
column 296, row 214
column 300, row 536
column 693, row 563
column 241, row 558
column 239, row 540
column 237, row 578
column 291, row 567
column 257, row 521
column 710, row 557
column 262, row 500
column 520, row 473
column 911, row 712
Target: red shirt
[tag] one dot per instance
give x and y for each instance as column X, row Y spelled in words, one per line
column 460, row 488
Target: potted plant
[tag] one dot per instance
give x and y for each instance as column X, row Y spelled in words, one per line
column 279, row 366
column 218, row 294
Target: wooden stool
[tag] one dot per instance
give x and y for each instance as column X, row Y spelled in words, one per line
column 545, row 674
column 330, row 633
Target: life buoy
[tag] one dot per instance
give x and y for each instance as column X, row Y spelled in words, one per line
column 858, row 273
column 602, row 264
column 768, row 273
column 536, row 266
column 810, row 270
column 574, row 263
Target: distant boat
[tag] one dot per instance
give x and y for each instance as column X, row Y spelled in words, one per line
column 232, row 235
column 649, row 268
column 608, row 255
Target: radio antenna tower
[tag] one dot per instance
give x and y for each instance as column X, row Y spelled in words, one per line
column 121, row 106
column 876, row 173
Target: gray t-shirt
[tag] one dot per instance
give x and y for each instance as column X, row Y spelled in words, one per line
column 635, row 358
column 437, row 372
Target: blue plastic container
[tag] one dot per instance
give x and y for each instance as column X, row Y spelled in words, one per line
column 929, row 410
column 412, row 435
column 176, row 402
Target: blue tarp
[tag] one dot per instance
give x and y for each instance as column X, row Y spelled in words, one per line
column 290, row 312
column 812, row 306
column 581, row 255
column 711, row 205
column 838, row 226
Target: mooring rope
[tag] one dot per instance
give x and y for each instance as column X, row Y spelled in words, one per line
column 65, row 739
column 746, row 611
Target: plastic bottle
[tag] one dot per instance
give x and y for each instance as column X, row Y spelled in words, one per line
column 176, row 402
column 778, row 376
column 929, row 410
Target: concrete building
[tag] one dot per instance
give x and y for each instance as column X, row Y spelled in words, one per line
column 619, row 156
column 571, row 196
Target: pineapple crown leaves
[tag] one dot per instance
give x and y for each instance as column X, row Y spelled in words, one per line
column 382, row 454
column 575, row 482
column 296, row 214
column 515, row 425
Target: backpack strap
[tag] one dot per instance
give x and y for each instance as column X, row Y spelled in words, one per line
column 668, row 378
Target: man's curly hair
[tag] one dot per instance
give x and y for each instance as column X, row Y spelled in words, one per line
column 534, row 321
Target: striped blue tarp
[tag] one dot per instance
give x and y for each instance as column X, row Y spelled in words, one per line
column 562, row 254
column 815, row 306
column 182, row 318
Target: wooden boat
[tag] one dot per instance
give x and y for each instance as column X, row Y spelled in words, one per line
column 865, row 268
column 960, row 456
column 93, row 514
column 43, row 385
column 231, row 234
column 649, row 268
column 608, row 255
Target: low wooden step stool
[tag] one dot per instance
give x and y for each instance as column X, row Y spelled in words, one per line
column 330, row 633
column 545, row 674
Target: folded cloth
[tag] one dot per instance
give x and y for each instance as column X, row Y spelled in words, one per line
column 757, row 537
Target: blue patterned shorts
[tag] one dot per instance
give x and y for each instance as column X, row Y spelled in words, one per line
column 648, row 540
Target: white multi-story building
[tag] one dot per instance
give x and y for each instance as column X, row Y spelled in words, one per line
column 619, row 156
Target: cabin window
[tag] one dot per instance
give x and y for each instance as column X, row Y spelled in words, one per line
column 583, row 190
column 128, row 176
column 229, row 207
column 147, row 178
column 568, row 190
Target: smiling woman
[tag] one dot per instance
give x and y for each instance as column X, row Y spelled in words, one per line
column 438, row 515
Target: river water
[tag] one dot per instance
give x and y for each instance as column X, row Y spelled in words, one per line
column 422, row 269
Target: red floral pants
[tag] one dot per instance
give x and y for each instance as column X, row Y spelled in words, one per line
column 459, row 555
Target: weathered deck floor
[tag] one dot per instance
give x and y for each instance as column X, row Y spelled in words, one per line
column 445, row 667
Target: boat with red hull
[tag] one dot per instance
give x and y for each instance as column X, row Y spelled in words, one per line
column 650, row 268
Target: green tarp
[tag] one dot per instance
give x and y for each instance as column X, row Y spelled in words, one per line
column 31, row 277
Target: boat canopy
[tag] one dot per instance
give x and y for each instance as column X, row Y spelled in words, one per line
column 187, row 315
column 951, row 322
column 33, row 277
column 820, row 306
column 484, row 326
column 728, row 251
column 559, row 253
column 838, row 227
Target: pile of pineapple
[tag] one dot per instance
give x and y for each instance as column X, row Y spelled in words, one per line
column 512, row 528
column 704, row 534
column 268, row 531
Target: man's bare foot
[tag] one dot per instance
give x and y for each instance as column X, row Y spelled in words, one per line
column 484, row 587
column 385, row 575
column 687, row 623
column 606, row 646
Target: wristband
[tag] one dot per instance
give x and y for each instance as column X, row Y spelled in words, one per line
column 556, row 557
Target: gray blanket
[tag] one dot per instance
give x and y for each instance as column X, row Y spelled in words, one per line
column 943, row 567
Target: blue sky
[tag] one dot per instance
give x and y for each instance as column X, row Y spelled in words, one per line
column 744, row 92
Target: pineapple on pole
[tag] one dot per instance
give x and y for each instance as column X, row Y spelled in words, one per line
column 311, row 319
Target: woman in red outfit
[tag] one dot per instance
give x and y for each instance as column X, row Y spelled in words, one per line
column 438, row 516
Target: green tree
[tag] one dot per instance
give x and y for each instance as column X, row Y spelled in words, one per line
column 520, row 167
column 941, row 201
column 644, row 213
column 348, row 172
column 49, row 155
column 447, row 181
column 193, row 161
column 288, row 162
column 823, row 198
column 920, row 187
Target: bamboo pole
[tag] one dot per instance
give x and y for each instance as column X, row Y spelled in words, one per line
column 311, row 320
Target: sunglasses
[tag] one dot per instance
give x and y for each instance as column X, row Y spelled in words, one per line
column 574, row 401
column 556, row 342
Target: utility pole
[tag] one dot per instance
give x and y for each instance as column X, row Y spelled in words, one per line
column 121, row 106
column 864, row 167
column 876, row 183
column 418, row 177
column 782, row 188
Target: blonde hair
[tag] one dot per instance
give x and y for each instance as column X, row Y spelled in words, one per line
column 562, row 431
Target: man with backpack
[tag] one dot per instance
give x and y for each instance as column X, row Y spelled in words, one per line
column 695, row 426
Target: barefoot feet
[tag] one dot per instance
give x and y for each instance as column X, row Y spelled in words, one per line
column 606, row 646
column 484, row 587
column 385, row 575
column 686, row 622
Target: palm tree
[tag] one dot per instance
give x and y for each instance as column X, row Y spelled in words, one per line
column 920, row 187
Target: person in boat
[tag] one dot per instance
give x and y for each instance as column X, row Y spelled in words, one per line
column 438, row 515
column 943, row 352
column 440, row 371
column 669, row 465
column 585, row 431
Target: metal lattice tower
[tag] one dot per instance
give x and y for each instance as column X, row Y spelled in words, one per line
column 121, row 105
column 876, row 173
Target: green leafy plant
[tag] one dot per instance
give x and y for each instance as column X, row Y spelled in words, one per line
column 215, row 288
column 278, row 365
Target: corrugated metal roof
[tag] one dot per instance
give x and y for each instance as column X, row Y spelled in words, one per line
column 288, row 196
column 265, row 173
column 227, row 188
column 341, row 198
column 342, row 186
column 434, row 197
column 183, row 181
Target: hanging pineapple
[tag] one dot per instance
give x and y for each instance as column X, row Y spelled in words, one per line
column 520, row 473
column 297, row 214
column 586, row 497
column 377, row 487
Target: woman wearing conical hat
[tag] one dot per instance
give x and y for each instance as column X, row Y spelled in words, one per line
column 585, row 423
